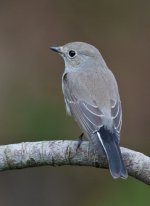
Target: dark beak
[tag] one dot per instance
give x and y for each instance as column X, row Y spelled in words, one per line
column 56, row 49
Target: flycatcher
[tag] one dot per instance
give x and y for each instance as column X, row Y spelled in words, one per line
column 92, row 98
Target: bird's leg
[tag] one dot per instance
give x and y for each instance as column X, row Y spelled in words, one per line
column 80, row 139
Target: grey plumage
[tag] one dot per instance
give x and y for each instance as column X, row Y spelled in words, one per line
column 92, row 98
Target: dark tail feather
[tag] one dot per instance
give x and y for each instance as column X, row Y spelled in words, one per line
column 111, row 147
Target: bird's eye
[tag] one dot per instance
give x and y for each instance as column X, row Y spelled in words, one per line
column 72, row 53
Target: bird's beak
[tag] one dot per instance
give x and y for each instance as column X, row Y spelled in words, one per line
column 57, row 49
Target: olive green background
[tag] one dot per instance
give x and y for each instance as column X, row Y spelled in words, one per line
column 31, row 101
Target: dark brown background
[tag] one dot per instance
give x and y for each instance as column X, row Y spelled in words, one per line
column 31, row 102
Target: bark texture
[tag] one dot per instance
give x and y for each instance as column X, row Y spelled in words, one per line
column 59, row 153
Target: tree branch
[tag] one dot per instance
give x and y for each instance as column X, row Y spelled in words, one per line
column 57, row 153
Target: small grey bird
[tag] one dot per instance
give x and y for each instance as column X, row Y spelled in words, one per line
column 92, row 98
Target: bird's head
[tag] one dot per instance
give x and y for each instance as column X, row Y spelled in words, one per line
column 78, row 55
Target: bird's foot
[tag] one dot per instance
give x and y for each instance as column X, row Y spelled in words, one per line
column 80, row 139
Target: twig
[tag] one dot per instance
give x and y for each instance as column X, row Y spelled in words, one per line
column 58, row 153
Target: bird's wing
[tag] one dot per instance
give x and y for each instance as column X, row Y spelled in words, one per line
column 89, row 116
column 86, row 114
column 116, row 113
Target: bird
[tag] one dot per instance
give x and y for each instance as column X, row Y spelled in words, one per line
column 92, row 98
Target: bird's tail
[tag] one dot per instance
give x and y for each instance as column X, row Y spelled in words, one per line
column 109, row 142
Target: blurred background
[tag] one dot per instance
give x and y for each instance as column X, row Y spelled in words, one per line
column 31, row 101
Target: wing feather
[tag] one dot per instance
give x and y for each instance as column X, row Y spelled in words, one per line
column 116, row 112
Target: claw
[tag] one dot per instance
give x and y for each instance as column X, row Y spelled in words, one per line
column 80, row 139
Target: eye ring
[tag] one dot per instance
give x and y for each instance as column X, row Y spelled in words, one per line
column 72, row 53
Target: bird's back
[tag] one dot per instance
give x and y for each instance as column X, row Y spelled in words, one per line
column 93, row 85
